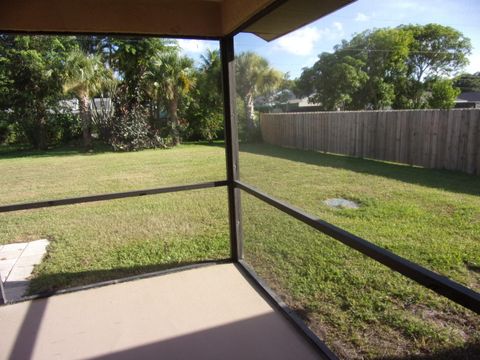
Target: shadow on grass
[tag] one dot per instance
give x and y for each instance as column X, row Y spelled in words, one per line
column 473, row 267
column 48, row 284
column 440, row 179
column 12, row 152
column 18, row 152
column 469, row 351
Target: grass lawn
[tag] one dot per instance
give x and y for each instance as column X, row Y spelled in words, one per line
column 361, row 308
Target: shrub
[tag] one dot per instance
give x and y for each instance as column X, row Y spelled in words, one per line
column 131, row 131
column 4, row 127
column 63, row 128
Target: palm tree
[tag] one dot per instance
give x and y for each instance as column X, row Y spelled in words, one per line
column 85, row 75
column 212, row 66
column 172, row 77
column 254, row 77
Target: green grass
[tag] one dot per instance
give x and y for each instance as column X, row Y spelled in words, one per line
column 105, row 240
column 360, row 307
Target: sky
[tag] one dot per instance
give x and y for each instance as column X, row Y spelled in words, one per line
column 300, row 48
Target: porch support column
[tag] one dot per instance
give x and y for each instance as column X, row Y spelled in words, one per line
column 231, row 147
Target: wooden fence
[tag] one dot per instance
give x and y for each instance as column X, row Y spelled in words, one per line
column 440, row 139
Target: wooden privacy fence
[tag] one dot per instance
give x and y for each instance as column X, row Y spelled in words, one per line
column 440, row 139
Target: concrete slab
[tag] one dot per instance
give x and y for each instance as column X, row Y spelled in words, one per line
column 205, row 313
column 5, row 267
column 12, row 251
column 29, row 260
column 14, row 246
column 19, row 274
column 7, row 264
column 17, row 262
column 36, row 247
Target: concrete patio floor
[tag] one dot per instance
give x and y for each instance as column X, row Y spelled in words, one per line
column 211, row 312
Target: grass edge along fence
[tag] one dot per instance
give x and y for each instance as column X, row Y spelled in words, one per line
column 436, row 139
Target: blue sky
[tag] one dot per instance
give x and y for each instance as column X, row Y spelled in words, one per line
column 296, row 50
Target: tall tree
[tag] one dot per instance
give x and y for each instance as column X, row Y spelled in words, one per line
column 205, row 111
column 254, row 77
column 385, row 68
column 173, row 78
column 132, row 60
column 436, row 51
column 333, row 80
column 85, row 75
column 32, row 70
column 360, row 73
column 468, row 82
column 381, row 55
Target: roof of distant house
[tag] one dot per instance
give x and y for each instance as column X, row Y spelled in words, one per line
column 473, row 96
column 303, row 102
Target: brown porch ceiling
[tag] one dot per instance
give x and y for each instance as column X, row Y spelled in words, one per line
column 182, row 18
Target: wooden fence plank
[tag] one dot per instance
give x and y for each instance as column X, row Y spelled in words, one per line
column 471, row 144
column 434, row 140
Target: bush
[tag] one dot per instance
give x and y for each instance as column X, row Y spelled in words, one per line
column 131, row 131
column 4, row 127
column 60, row 128
column 246, row 134
column 63, row 128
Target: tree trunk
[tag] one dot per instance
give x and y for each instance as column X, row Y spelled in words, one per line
column 83, row 103
column 250, row 112
column 42, row 136
column 41, row 115
column 173, row 109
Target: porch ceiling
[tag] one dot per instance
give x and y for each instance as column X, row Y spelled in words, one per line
column 182, row 18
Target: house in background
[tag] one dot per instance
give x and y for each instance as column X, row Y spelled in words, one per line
column 469, row 100
column 285, row 101
column 70, row 106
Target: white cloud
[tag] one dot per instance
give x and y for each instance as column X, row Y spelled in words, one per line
column 196, row 46
column 362, row 17
column 302, row 42
column 338, row 25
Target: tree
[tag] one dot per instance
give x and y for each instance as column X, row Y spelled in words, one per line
column 85, row 75
column 382, row 54
column 172, row 77
column 443, row 94
column 4, row 92
column 132, row 60
column 436, row 51
column 254, row 77
column 205, row 111
column 333, row 79
column 384, row 68
column 468, row 82
column 32, row 72
column 360, row 73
